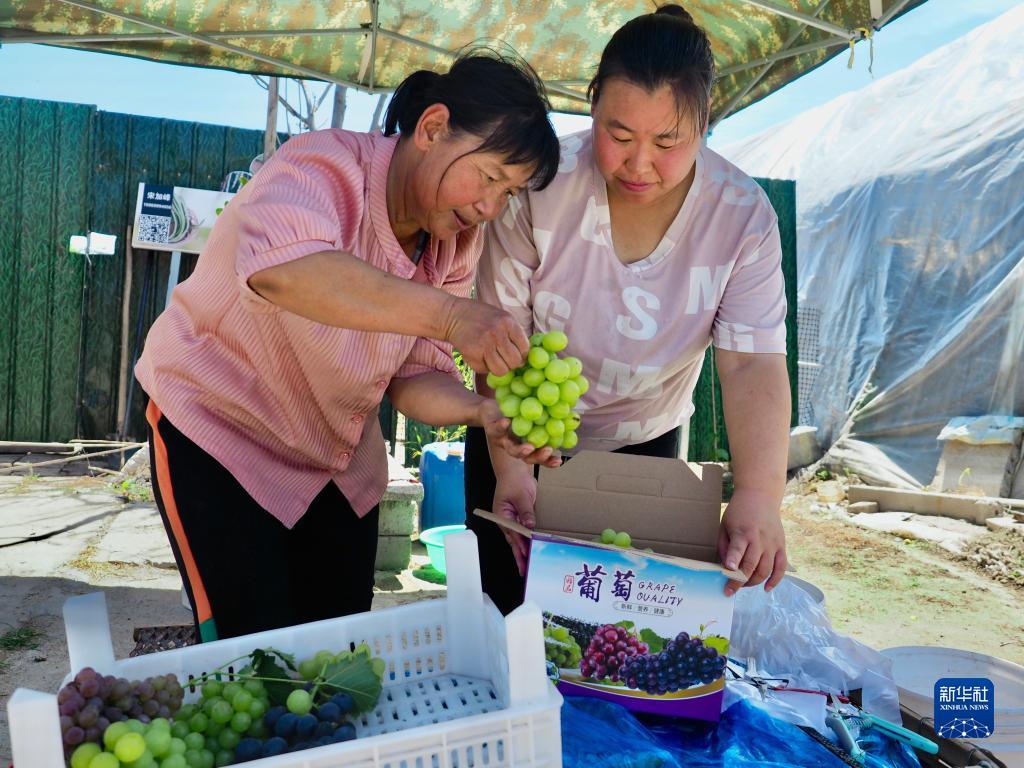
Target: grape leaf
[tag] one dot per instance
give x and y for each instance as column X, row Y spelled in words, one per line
column 264, row 665
column 355, row 674
column 625, row 624
column 719, row 643
column 655, row 642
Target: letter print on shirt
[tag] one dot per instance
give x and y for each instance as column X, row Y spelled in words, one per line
column 508, row 218
column 736, row 188
column 637, row 300
column 736, row 337
column 596, row 221
column 550, row 311
column 513, row 290
column 705, row 290
column 570, row 147
column 632, row 432
column 617, row 378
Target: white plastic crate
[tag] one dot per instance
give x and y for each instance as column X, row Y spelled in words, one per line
column 464, row 687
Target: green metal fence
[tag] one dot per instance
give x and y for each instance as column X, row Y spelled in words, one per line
column 67, row 169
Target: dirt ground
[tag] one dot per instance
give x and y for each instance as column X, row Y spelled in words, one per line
column 886, row 591
column 881, row 589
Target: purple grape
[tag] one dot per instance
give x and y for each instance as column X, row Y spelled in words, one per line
column 74, row 736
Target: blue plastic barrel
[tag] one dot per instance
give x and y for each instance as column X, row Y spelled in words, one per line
column 444, row 497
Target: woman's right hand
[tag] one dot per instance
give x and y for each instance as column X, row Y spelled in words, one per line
column 489, row 338
column 515, row 498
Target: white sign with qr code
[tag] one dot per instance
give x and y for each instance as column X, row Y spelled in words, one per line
column 180, row 219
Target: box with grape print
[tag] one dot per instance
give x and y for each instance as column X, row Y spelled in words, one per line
column 622, row 564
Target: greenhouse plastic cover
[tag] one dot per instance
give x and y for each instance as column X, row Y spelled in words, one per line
column 910, row 243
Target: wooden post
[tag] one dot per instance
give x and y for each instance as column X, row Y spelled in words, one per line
column 270, row 135
column 126, row 319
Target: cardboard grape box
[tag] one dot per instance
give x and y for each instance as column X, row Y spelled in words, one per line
column 615, row 617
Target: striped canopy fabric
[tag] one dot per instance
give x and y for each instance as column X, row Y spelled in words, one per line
column 759, row 45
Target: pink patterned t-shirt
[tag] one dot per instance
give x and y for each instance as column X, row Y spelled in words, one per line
column 640, row 329
column 286, row 404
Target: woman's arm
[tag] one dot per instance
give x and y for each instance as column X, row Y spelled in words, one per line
column 756, row 401
column 338, row 289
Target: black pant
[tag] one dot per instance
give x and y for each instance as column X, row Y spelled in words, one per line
column 243, row 570
column 498, row 571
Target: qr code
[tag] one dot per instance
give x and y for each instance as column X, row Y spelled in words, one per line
column 154, row 229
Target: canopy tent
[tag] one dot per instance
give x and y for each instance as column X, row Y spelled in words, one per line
column 759, row 45
column 910, row 250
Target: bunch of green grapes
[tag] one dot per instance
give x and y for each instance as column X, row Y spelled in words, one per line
column 560, row 648
column 540, row 395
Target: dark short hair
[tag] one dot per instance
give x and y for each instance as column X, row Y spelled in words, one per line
column 494, row 96
column 662, row 48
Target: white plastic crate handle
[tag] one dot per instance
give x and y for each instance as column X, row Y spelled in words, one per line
column 465, row 605
column 87, row 627
column 35, row 729
column 527, row 675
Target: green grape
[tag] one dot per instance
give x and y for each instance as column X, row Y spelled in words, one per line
column 538, row 437
column 229, row 739
column 231, row 690
column 257, row 709
column 174, row 761
column 195, row 741
column 533, row 377
column 575, row 366
column 521, row 427
column 560, row 633
column 114, row 733
column 212, row 744
column 570, row 440
column 259, row 730
column 130, row 747
column 572, row 421
column 212, row 689
column 536, row 339
column 206, row 759
column 519, row 388
column 255, row 688
column 178, row 746
column 194, row 758
column 555, row 427
column 158, row 741
column 242, row 700
column 324, row 656
column 161, row 723
column 622, row 539
column 555, row 341
column 186, row 712
column 607, row 536
column 105, row 760
column 583, row 383
column 501, row 393
column 221, row 712
column 555, row 441
column 136, row 726
column 531, row 408
column 224, row 757
column 541, row 420
column 214, row 728
column 499, row 381
column 510, row 406
column 83, row 754
column 308, row 669
column 538, row 358
column 180, row 729
column 557, row 371
column 559, row 410
column 547, row 392
column 299, row 702
column 569, row 392
column 241, row 722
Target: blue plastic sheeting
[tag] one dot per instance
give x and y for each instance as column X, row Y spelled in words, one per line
column 600, row 734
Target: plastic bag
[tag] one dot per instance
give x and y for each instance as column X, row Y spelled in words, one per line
column 602, row 734
column 790, row 634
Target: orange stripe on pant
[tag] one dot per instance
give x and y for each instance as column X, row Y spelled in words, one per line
column 163, row 475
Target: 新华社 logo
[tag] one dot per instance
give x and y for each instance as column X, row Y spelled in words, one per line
column 964, row 707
